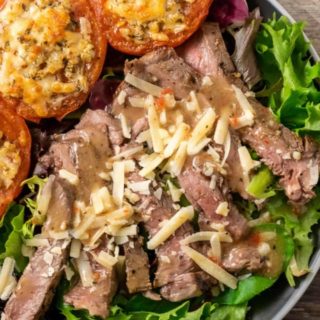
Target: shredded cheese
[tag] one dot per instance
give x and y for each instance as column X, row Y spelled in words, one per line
column 221, row 130
column 152, row 165
column 6, row 272
column 223, row 209
column 143, row 85
column 193, row 104
column 75, row 248
column 178, row 160
column 175, row 192
column 200, row 131
column 175, row 141
column 70, row 177
column 215, row 246
column 127, row 153
column 85, row 224
column 128, row 231
column 37, row 242
column 101, row 200
column 247, row 119
column 142, row 187
column 85, row 270
column 211, row 268
column 247, row 163
column 118, row 176
column 126, row 130
column 170, row 226
column 8, row 290
column 154, row 125
column 206, row 236
column 105, row 259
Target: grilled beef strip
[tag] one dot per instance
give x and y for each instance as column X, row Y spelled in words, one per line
column 196, row 185
column 137, row 266
column 167, row 71
column 207, row 199
column 137, row 275
column 35, row 289
column 292, row 158
column 242, row 257
column 83, row 151
column 163, row 67
column 173, row 267
column 96, row 298
column 203, row 197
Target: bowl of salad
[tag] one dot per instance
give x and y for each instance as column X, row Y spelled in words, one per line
column 159, row 160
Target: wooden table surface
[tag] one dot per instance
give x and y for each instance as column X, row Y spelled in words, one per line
column 308, row 10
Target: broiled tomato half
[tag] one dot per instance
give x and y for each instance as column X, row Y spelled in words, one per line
column 138, row 26
column 52, row 53
column 15, row 148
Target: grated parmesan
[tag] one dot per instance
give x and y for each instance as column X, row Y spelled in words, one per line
column 170, row 227
column 211, row 268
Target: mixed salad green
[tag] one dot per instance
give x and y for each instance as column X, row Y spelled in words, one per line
column 289, row 85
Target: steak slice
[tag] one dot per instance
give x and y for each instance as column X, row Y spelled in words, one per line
column 83, row 152
column 172, row 262
column 242, row 257
column 203, row 197
column 101, row 120
column 161, row 67
column 96, row 298
column 137, row 267
column 292, row 158
column 187, row 285
column 35, row 288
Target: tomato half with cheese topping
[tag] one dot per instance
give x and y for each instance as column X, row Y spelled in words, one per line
column 138, row 26
column 15, row 148
column 51, row 54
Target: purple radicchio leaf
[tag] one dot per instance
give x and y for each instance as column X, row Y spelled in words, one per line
column 101, row 95
column 229, row 12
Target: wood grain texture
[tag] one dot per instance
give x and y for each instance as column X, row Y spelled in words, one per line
column 307, row 10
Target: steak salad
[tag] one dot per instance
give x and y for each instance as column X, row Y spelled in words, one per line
column 184, row 187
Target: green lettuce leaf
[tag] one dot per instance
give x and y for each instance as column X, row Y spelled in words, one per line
column 246, row 290
column 11, row 236
column 35, row 185
column 282, row 53
column 261, row 184
column 140, row 308
column 228, row 313
column 300, row 228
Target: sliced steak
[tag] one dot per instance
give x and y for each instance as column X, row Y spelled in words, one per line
column 203, row 197
column 292, row 158
column 83, row 151
column 161, row 67
column 172, row 263
column 235, row 176
column 36, row 286
column 187, row 285
column 164, row 68
column 242, row 257
column 155, row 67
column 96, row 298
column 101, row 120
column 137, row 267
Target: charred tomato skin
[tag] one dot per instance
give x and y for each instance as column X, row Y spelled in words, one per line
column 16, row 131
column 91, row 10
column 195, row 13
